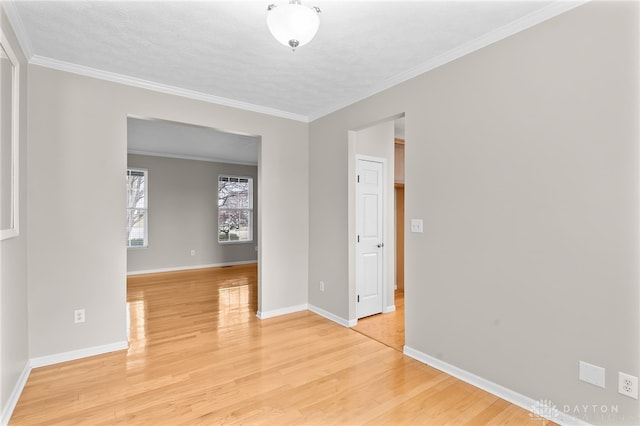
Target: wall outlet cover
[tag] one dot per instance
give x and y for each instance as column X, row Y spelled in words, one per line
column 628, row 385
column 78, row 316
column 592, row 374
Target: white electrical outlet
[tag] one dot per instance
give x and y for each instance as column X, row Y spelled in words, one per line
column 627, row 385
column 321, row 285
column 193, row 252
column 78, row 316
column 416, row 225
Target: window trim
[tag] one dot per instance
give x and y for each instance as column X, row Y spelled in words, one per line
column 146, row 207
column 250, row 209
column 13, row 145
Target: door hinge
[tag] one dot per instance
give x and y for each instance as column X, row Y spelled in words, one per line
column 358, row 238
column 358, row 298
column 358, row 178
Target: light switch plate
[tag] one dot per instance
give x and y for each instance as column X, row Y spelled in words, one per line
column 416, row 225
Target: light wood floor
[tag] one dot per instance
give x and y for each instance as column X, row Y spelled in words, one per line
column 386, row 328
column 198, row 355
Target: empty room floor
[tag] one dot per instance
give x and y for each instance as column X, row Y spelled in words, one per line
column 386, row 328
column 199, row 355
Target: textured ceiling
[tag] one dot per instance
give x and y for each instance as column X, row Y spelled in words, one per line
column 222, row 52
column 223, row 49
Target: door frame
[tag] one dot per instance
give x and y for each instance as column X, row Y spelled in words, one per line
column 352, row 153
column 385, row 219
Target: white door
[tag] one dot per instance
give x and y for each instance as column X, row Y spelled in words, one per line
column 370, row 241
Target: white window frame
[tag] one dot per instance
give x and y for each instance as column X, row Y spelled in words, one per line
column 12, row 145
column 250, row 209
column 145, row 208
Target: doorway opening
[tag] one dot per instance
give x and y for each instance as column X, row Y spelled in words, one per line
column 383, row 141
column 199, row 208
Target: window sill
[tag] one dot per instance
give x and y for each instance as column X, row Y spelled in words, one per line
column 224, row 243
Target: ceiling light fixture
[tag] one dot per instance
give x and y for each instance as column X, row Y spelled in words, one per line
column 293, row 24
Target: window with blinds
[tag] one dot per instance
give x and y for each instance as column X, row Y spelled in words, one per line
column 235, row 209
column 137, row 209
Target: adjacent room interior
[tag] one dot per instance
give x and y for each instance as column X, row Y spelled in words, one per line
column 386, row 325
column 517, row 253
column 192, row 173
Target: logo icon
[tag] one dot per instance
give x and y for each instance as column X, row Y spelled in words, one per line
column 544, row 409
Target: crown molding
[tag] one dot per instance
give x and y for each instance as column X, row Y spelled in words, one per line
column 190, row 157
column 552, row 10
column 158, row 87
column 18, row 28
column 27, row 49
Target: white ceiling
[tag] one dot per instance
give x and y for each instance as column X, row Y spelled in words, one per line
column 222, row 51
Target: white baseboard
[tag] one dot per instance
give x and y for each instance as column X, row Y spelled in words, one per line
column 188, row 268
column 537, row 407
column 282, row 311
column 7, row 410
column 388, row 309
column 77, row 354
column 328, row 315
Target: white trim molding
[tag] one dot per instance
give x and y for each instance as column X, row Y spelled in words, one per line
column 328, row 315
column 529, row 404
column 282, row 311
column 12, row 401
column 18, row 28
column 77, row 354
column 552, row 10
column 190, row 157
column 188, row 268
column 13, row 145
column 159, row 87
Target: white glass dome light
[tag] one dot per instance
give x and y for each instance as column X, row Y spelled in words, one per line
column 292, row 24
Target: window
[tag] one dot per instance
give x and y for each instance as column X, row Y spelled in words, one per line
column 235, row 209
column 9, row 125
column 137, row 210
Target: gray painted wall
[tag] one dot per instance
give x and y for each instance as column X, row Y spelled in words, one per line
column 522, row 159
column 77, row 256
column 13, row 262
column 183, row 213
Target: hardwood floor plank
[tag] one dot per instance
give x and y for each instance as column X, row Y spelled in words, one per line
column 198, row 355
column 386, row 328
